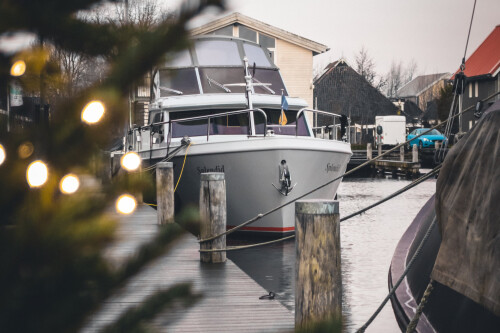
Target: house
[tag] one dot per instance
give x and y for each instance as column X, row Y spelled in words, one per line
column 416, row 98
column 483, row 80
column 340, row 89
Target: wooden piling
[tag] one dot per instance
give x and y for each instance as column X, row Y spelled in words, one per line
column 318, row 281
column 369, row 151
column 379, row 149
column 402, row 153
column 213, row 216
column 165, row 192
column 414, row 153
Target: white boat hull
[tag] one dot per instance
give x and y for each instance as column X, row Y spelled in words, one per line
column 251, row 167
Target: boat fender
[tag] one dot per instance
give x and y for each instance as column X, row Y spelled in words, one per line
column 271, row 295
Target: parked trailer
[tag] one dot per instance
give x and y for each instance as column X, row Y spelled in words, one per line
column 390, row 130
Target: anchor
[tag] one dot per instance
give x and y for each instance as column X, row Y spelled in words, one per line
column 285, row 180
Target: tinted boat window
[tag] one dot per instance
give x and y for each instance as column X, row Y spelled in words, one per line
column 182, row 79
column 256, row 55
column 269, row 76
column 273, row 118
column 222, row 125
column 222, row 76
column 180, row 59
column 218, row 53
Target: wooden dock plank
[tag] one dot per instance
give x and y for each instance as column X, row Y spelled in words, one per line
column 230, row 300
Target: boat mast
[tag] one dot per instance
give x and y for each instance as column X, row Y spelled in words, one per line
column 249, row 92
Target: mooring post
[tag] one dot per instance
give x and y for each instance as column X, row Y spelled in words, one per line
column 213, row 216
column 318, row 281
column 369, row 151
column 379, row 149
column 402, row 153
column 165, row 192
column 414, row 153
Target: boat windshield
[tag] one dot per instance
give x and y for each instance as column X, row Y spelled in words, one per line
column 223, row 125
column 281, row 125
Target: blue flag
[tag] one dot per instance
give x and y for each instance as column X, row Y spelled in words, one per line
column 284, row 103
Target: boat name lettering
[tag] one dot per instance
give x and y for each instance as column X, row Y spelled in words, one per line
column 204, row 169
column 332, row 167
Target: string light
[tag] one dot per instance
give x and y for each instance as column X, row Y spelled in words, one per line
column 2, row 154
column 69, row 184
column 37, row 174
column 126, row 204
column 18, row 68
column 130, row 161
column 93, row 112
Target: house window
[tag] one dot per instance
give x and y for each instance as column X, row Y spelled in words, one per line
column 247, row 33
column 470, row 90
column 226, row 31
column 267, row 42
column 477, row 89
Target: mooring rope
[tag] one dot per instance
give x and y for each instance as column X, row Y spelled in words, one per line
column 183, row 163
column 401, row 278
column 414, row 322
column 404, row 189
column 261, row 215
column 235, row 248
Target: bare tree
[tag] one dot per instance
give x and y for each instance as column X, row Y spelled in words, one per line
column 410, row 71
column 365, row 65
column 394, row 78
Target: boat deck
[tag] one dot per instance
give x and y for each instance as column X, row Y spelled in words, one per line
column 230, row 299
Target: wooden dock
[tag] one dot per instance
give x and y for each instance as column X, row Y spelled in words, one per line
column 230, row 300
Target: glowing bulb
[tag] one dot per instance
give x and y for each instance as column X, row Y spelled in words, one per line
column 69, row 184
column 92, row 112
column 126, row 204
column 2, row 154
column 130, row 161
column 37, row 174
column 18, row 68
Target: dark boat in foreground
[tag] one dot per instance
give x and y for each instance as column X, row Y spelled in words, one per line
column 462, row 253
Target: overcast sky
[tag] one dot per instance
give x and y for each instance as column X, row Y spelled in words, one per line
column 433, row 32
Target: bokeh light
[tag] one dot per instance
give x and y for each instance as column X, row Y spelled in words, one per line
column 18, row 68
column 93, row 112
column 126, row 204
column 25, row 150
column 130, row 161
column 2, row 154
column 37, row 174
column 69, row 184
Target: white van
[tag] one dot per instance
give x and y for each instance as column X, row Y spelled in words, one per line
column 390, row 130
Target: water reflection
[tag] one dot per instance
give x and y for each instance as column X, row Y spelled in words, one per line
column 368, row 242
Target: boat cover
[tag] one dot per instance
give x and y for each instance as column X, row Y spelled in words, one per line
column 468, row 211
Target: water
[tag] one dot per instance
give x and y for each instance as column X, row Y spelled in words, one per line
column 368, row 242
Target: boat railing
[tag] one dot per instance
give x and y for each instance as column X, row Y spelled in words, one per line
column 208, row 118
column 332, row 129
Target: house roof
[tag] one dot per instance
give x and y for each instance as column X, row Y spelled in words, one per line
column 340, row 89
column 486, row 58
column 420, row 84
column 265, row 28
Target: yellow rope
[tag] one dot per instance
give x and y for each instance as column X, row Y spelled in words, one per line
column 150, row 204
column 183, row 163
